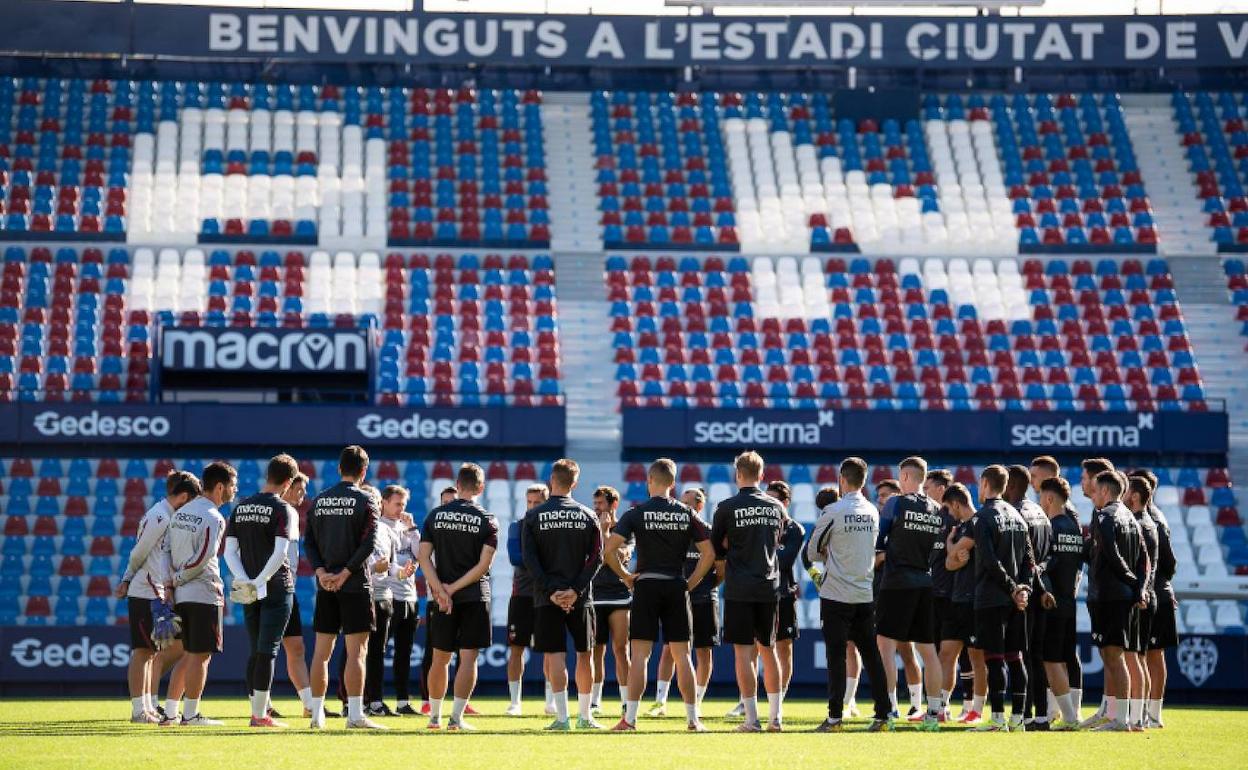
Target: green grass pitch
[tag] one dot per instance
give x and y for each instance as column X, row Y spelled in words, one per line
column 81, row 733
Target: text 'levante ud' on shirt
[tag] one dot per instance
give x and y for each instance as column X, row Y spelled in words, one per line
column 342, row 531
column 191, row 544
column 1003, row 558
column 704, row 591
column 459, row 531
column 1064, row 566
column 1119, row 564
column 256, row 522
column 909, row 528
column 562, row 547
column 746, row 534
column 844, row 540
column 146, row 567
column 662, row 529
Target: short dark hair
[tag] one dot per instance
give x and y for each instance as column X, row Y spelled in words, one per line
column 471, row 476
column 780, row 491
column 565, row 472
column 826, row 497
column 448, row 491
column 282, row 469
column 1145, row 473
column 1111, row 480
column 353, row 461
column 854, row 472
column 940, row 476
column 997, row 477
column 610, row 494
column 1095, row 466
column 394, row 489
column 1056, row 485
column 957, row 493
column 916, row 462
column 1140, row 486
column 218, row 473
column 300, row 478
column 1019, row 480
column 697, row 492
column 1049, row 463
column 891, row 484
column 182, row 483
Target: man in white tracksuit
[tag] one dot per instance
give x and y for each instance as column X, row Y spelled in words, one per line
column 844, row 540
column 140, row 585
column 191, row 545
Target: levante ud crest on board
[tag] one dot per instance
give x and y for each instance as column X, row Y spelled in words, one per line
column 1198, row 658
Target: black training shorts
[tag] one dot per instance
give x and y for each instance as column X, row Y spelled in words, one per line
column 660, row 603
column 958, row 623
column 706, row 624
column 1111, row 625
column 520, row 621
column 201, row 626
column 467, row 627
column 294, row 626
column 140, row 612
column 1060, row 639
column 602, row 623
column 552, row 626
column 750, row 622
column 1165, row 631
column 342, row 612
column 906, row 615
column 786, row 619
column 1000, row 630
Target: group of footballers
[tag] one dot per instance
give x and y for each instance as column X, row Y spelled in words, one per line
column 983, row 591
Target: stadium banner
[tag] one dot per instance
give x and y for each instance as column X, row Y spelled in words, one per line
column 972, row 431
column 63, row 655
column 246, row 350
column 417, row 37
column 280, row 424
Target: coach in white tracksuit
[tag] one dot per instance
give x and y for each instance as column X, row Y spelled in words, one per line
column 844, row 540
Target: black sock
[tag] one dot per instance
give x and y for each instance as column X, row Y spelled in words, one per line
column 1018, row 686
column 262, row 673
column 996, row 685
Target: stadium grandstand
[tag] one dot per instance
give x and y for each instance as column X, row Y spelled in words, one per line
column 510, row 232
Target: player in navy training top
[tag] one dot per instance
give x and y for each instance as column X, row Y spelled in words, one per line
column 612, row 599
column 456, row 553
column 1164, row 634
column 664, row 529
column 1004, row 566
column 792, row 538
column 746, row 533
column 1040, row 532
column 905, row 611
column 257, row 540
column 562, row 548
column 704, row 603
column 1059, row 589
column 1139, row 495
column 520, row 606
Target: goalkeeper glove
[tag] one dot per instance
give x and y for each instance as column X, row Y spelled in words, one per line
column 817, row 576
column 165, row 624
column 243, row 591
